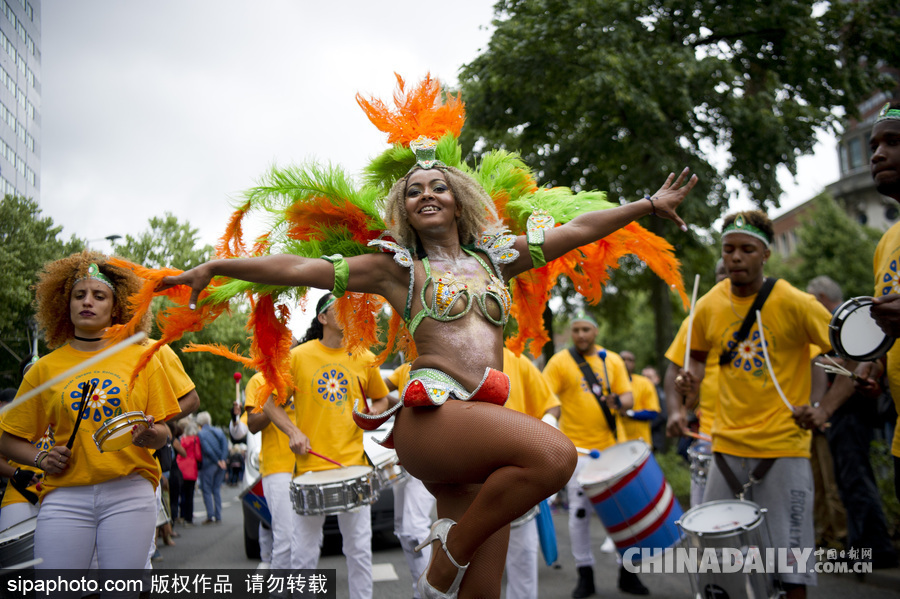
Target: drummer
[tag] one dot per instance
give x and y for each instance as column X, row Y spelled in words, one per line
column 754, row 433
column 636, row 423
column 77, row 298
column 276, row 466
column 588, row 419
column 327, row 382
column 704, row 405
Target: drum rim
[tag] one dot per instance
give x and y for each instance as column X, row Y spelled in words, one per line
column 760, row 517
column 30, row 530
column 104, row 431
column 841, row 314
column 619, row 474
column 367, row 472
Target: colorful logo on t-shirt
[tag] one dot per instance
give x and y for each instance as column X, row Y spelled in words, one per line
column 333, row 385
column 105, row 402
column 748, row 354
column 46, row 442
column 890, row 280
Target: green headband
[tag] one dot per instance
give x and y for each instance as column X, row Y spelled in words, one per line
column 740, row 225
column 326, row 305
column 888, row 114
column 94, row 273
column 583, row 317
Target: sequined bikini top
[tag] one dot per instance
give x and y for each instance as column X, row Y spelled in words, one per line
column 447, row 290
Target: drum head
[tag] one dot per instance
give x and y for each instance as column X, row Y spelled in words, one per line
column 115, row 434
column 721, row 517
column 854, row 334
column 614, row 463
column 323, row 477
column 17, row 531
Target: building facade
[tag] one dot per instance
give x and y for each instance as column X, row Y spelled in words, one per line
column 20, row 97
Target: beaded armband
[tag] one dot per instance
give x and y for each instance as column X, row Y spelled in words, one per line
column 499, row 248
column 341, row 274
column 538, row 222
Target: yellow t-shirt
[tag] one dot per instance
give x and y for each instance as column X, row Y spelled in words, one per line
column 751, row 420
column 645, row 398
column 887, row 281
column 400, row 376
column 58, row 406
column 327, row 382
column 12, row 495
column 275, row 453
column 529, row 392
column 709, row 387
column 582, row 418
column 179, row 380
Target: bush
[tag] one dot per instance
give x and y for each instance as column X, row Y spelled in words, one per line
column 883, row 464
column 678, row 473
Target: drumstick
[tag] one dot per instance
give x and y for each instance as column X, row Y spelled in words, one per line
column 319, row 455
column 762, row 339
column 594, row 453
column 698, row 436
column 86, row 395
column 237, row 388
column 365, row 397
column 602, row 354
column 74, row 370
column 687, row 347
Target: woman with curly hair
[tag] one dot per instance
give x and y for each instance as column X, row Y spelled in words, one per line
column 90, row 498
column 447, row 276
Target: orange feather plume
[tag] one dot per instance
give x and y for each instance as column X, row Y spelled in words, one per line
column 271, row 346
column 419, row 112
column 219, row 350
column 311, row 220
column 231, row 244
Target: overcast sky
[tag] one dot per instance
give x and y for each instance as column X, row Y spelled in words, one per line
column 150, row 107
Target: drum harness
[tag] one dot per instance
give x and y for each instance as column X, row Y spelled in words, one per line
column 725, row 359
column 591, row 379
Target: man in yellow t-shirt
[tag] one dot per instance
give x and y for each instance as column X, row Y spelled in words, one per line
column 584, row 422
column 276, row 467
column 635, row 423
column 752, row 424
column 885, row 167
column 327, row 383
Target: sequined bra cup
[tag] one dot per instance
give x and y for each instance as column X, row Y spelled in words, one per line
column 447, row 291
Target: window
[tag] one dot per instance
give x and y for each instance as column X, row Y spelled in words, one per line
column 856, row 153
column 29, row 176
column 891, row 213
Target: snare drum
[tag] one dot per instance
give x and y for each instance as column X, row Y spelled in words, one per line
column 700, row 455
column 333, row 491
column 115, row 433
column 17, row 543
column 388, row 471
column 854, row 334
column 734, row 524
column 632, row 498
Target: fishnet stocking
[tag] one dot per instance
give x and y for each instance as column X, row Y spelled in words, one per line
column 486, row 465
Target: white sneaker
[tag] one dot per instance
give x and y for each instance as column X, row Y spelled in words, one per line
column 608, row 546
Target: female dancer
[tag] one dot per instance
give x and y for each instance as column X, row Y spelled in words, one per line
column 485, row 465
column 90, row 498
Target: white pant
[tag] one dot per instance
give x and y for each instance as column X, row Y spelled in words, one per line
column 277, row 489
column 265, row 543
column 413, row 505
column 581, row 512
column 356, row 530
column 14, row 513
column 522, row 561
column 118, row 516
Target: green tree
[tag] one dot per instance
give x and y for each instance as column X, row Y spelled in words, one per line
column 28, row 240
column 170, row 243
column 602, row 94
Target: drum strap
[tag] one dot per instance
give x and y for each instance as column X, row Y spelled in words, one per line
column 591, row 379
column 733, row 483
column 727, row 357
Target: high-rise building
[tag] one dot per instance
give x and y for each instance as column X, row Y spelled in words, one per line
column 20, row 97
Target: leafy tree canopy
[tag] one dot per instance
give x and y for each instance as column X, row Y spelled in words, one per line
column 166, row 243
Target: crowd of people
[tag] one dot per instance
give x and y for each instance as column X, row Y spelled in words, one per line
column 484, row 436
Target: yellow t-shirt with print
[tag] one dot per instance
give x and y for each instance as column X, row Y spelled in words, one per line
column 582, row 418
column 709, row 387
column 327, row 382
column 751, row 419
column 887, row 281
column 529, row 391
column 400, row 376
column 645, row 398
column 179, row 380
column 12, row 495
column 275, row 453
column 58, row 406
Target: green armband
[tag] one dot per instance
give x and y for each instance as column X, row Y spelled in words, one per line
column 341, row 274
column 538, row 222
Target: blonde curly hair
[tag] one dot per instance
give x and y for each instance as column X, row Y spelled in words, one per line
column 477, row 211
column 53, row 292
